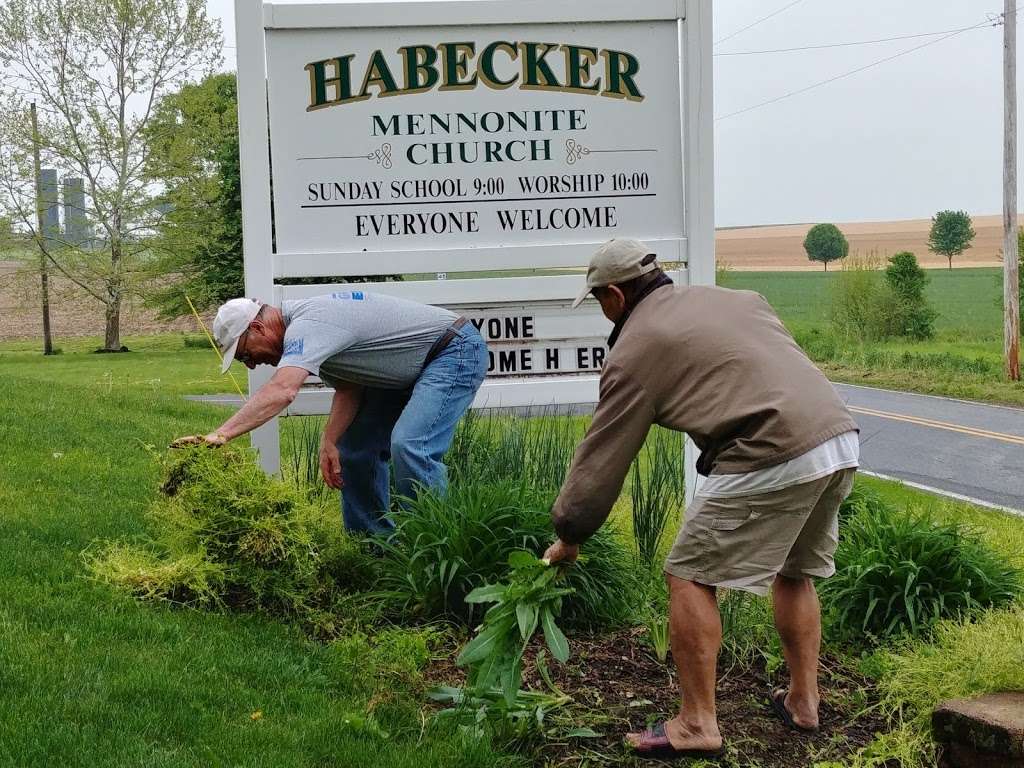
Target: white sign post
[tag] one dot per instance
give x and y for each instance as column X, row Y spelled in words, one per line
column 452, row 137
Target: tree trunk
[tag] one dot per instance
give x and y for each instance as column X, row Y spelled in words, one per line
column 826, row 266
column 112, row 338
column 950, row 263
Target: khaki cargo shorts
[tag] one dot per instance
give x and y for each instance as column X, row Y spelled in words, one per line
column 745, row 542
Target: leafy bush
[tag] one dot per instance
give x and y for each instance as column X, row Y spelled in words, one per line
column 229, row 535
column 860, row 300
column 897, row 574
column 910, row 315
column 444, row 547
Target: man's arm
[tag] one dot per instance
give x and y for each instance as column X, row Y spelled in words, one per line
column 621, row 422
column 272, row 398
column 344, row 407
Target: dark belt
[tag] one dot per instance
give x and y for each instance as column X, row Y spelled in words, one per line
column 443, row 341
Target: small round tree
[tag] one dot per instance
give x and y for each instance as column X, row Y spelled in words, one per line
column 951, row 234
column 825, row 243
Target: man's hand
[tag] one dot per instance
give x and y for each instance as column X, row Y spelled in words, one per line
column 330, row 466
column 213, row 440
column 560, row 552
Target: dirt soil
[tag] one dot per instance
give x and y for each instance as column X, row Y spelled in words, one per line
column 619, row 686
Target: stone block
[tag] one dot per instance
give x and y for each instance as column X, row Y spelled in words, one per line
column 982, row 732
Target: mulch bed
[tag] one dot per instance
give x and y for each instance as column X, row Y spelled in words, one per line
column 618, row 686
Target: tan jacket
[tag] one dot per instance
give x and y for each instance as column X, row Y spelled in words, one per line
column 715, row 363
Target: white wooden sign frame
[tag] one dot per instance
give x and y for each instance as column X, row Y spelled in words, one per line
column 694, row 251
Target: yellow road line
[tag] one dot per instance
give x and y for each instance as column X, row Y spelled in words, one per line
column 972, row 431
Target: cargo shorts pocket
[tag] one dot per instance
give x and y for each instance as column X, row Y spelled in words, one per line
column 732, row 519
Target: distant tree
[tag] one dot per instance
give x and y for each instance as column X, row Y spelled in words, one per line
column 951, row 234
column 910, row 314
column 195, row 157
column 96, row 69
column 825, row 243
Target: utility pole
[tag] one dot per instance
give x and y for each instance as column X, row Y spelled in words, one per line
column 1011, row 284
column 43, row 272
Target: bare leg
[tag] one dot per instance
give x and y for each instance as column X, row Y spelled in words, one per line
column 696, row 629
column 798, row 620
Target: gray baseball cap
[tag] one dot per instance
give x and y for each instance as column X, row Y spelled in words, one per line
column 617, row 261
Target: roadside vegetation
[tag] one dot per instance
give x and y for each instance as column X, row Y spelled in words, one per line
column 962, row 358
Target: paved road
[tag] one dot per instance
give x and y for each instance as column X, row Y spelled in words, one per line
column 954, row 446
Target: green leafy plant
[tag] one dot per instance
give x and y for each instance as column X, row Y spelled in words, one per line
column 911, row 316
column 658, row 635
column 444, row 547
column 897, row 574
column 530, row 600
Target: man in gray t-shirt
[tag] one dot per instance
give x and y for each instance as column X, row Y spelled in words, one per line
column 403, row 374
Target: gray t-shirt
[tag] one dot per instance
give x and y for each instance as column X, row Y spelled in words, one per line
column 361, row 338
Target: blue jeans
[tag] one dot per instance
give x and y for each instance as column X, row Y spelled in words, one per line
column 411, row 427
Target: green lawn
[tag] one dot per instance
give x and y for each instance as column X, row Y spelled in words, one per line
column 92, row 678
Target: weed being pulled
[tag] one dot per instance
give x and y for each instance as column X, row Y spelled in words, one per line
column 444, row 547
column 226, row 534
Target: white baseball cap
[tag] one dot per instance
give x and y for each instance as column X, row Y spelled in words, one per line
column 617, row 261
column 232, row 321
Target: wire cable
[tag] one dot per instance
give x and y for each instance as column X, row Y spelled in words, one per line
column 850, row 44
column 754, row 24
column 853, row 71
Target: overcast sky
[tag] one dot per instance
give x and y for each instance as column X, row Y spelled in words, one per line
column 900, row 140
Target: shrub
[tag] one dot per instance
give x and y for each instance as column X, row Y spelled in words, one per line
column 910, row 316
column 444, row 547
column 860, row 300
column 897, row 574
column 228, row 534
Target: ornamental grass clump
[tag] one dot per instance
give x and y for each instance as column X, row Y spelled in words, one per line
column 444, row 547
column 897, row 574
column 228, row 535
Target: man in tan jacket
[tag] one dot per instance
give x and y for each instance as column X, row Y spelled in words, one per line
column 778, row 449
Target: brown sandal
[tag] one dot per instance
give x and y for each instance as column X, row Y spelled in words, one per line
column 655, row 744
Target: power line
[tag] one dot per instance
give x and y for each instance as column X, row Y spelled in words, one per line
column 754, row 24
column 847, row 45
column 855, row 71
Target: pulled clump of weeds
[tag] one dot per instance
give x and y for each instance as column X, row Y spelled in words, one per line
column 493, row 699
column 228, row 535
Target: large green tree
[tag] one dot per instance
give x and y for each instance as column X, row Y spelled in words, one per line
column 194, row 135
column 951, row 234
column 825, row 243
column 96, row 69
